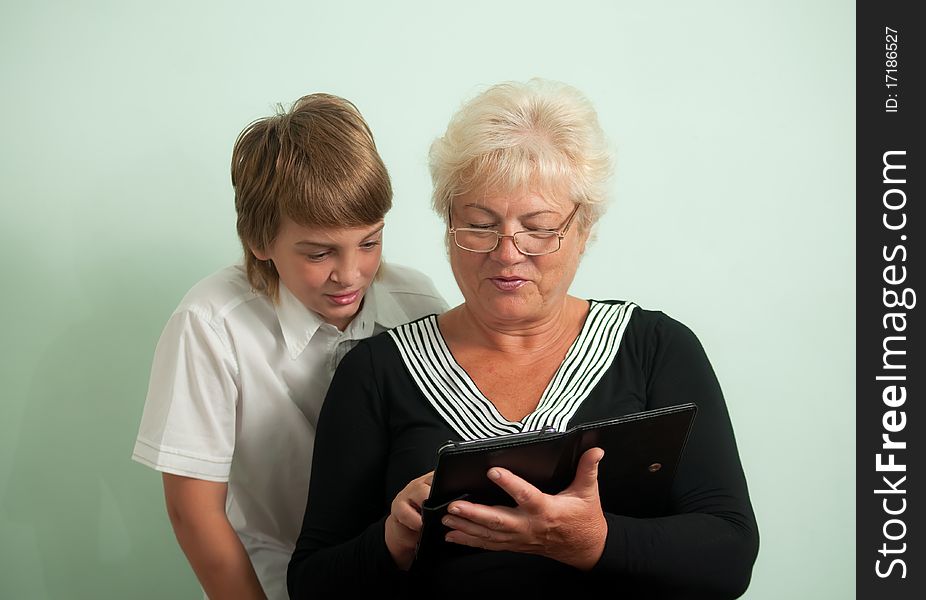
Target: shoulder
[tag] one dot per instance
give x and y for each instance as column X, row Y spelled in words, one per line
column 642, row 317
column 399, row 279
column 221, row 296
column 411, row 290
column 646, row 328
column 375, row 358
column 396, row 345
column 413, row 336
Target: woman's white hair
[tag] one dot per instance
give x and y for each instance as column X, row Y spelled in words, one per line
column 540, row 135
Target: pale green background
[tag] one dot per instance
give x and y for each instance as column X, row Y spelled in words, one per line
column 733, row 123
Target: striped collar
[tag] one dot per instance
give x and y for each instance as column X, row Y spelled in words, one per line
column 455, row 397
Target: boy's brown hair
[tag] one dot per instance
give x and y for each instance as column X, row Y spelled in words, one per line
column 315, row 164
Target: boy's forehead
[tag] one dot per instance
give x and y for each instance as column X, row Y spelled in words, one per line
column 320, row 234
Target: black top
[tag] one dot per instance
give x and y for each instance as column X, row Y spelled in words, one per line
column 399, row 396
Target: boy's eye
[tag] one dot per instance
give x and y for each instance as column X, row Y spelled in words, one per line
column 370, row 245
column 318, row 256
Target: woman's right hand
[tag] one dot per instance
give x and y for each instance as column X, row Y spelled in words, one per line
column 403, row 525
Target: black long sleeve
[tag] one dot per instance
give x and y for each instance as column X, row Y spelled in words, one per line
column 707, row 545
column 342, row 540
column 378, row 431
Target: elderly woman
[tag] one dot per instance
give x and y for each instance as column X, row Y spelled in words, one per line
column 520, row 178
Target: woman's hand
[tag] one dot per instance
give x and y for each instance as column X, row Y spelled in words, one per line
column 569, row 527
column 403, row 525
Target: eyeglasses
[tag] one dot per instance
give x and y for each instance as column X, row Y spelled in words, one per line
column 529, row 243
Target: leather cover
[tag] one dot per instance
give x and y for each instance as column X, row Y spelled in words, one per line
column 642, row 451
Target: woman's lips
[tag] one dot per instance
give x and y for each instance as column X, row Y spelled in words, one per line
column 507, row 284
column 344, row 299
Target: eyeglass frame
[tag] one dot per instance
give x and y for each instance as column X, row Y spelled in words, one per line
column 560, row 234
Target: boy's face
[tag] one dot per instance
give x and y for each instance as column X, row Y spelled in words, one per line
column 327, row 269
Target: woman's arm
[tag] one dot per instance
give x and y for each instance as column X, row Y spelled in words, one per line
column 197, row 512
column 342, row 543
column 708, row 545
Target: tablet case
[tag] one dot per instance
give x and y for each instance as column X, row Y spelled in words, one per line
column 642, row 451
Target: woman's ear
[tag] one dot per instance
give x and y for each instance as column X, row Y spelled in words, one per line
column 583, row 240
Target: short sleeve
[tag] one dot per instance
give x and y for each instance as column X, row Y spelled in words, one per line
column 188, row 424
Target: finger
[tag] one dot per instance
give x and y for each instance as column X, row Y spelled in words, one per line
column 464, row 539
column 406, row 531
column 586, row 479
column 417, row 495
column 492, row 518
column 407, row 515
column 523, row 493
column 418, row 490
column 475, row 530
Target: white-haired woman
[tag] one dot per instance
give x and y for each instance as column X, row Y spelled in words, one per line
column 520, row 178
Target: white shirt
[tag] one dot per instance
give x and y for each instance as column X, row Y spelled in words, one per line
column 236, row 387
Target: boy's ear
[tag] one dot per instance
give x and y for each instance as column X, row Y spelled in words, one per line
column 260, row 254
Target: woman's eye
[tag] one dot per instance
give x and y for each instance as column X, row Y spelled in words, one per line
column 317, row 257
column 481, row 225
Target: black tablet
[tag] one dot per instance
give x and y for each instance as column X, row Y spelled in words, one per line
column 642, row 451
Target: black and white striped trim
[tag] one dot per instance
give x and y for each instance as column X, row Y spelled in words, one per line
column 467, row 411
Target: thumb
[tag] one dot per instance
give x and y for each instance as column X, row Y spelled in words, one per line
column 587, row 472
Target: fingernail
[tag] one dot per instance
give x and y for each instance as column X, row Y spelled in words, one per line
column 447, row 521
column 495, row 474
column 454, row 510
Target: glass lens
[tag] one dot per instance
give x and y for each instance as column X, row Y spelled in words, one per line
column 537, row 242
column 476, row 239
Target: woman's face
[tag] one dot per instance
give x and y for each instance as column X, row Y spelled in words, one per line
column 506, row 287
column 327, row 269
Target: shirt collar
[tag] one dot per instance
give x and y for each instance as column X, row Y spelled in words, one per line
column 299, row 324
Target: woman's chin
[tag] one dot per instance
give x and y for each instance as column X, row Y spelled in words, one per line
column 510, row 308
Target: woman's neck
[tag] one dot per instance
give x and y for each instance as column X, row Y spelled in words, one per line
column 557, row 327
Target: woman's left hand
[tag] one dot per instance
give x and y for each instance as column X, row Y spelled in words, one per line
column 569, row 527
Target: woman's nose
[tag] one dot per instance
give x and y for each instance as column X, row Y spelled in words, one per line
column 506, row 251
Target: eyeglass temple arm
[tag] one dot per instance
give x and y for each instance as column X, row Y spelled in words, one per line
column 562, row 234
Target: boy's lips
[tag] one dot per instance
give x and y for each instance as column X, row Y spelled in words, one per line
column 345, row 298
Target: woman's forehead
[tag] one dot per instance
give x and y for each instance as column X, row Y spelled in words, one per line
column 526, row 202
